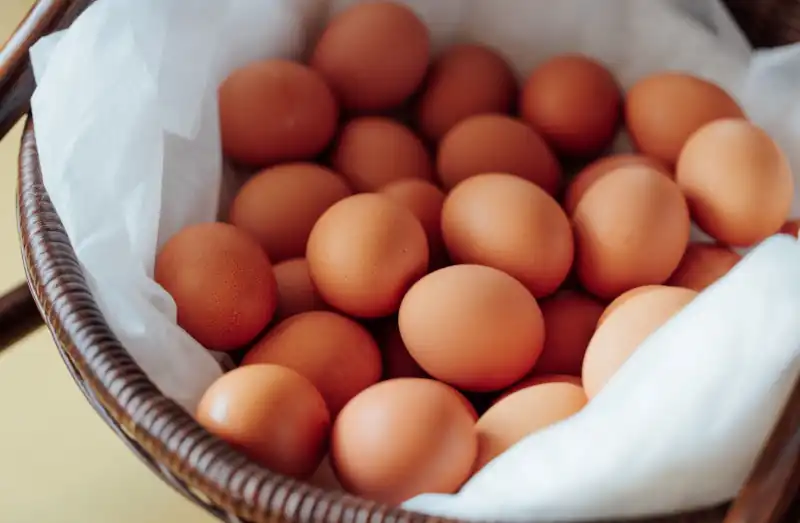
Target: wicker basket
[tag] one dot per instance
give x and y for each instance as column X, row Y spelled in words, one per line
column 197, row 464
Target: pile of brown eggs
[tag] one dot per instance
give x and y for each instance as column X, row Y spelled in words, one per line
column 410, row 279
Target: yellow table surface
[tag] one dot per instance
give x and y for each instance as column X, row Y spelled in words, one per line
column 58, row 460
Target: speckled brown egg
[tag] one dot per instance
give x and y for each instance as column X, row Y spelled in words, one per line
column 494, row 143
column 737, row 181
column 524, row 412
column 506, row 222
column 474, row 327
column 664, row 109
column 280, row 205
column 574, row 102
column 222, row 283
column 373, row 54
column 336, row 354
column 570, row 319
column 296, row 291
column 466, row 80
column 275, row 111
column 372, row 152
column 631, row 229
column 272, row 414
column 702, row 265
column 624, row 329
column 404, row 437
column 364, row 253
column 425, row 201
column 594, row 171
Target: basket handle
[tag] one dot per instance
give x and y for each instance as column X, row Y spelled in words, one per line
column 16, row 76
column 19, row 315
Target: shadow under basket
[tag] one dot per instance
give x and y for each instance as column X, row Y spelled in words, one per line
column 202, row 467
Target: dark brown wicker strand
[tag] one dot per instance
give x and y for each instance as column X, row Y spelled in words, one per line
column 207, row 470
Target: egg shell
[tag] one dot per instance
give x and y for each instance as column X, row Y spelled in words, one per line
column 702, row 265
column 397, row 362
column 275, row 111
column 631, row 229
column 737, row 181
column 662, row 110
column 594, row 171
column 373, row 54
column 624, row 329
column 625, row 296
column 474, row 327
column 280, row 205
column 272, row 414
column 222, row 282
column 325, row 477
column 466, row 80
column 511, row 224
column 296, row 291
column 336, row 354
column 373, row 151
column 364, row 253
column 496, row 143
column 538, row 379
column 404, row 437
column 524, row 412
column 570, row 320
column 574, row 102
column 425, row 201
column 791, row 228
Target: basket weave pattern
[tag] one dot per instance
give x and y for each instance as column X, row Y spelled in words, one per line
column 166, row 438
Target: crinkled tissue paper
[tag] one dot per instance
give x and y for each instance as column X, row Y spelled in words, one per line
column 126, row 122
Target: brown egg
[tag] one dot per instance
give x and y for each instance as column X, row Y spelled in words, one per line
column 574, row 102
column 335, row 353
column 522, row 413
column 275, row 111
column 325, row 477
column 631, row 229
column 664, row 109
column 737, row 181
column 222, row 283
column 791, row 228
column 373, row 54
column 420, row 439
column 702, row 265
column 397, row 362
column 622, row 331
column 570, row 319
column 425, row 201
column 280, row 205
column 625, row 296
column 535, row 379
column 474, row 327
column 494, row 143
column 372, row 152
column 296, row 291
column 591, row 173
column 509, row 223
column 272, row 414
column 364, row 253
column 466, row 80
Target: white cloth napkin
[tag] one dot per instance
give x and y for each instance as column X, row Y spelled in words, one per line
column 128, row 139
